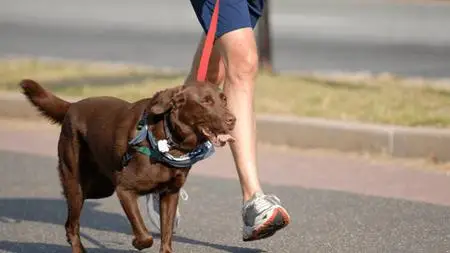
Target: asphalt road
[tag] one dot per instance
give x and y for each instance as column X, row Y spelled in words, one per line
column 327, row 35
column 32, row 214
column 338, row 203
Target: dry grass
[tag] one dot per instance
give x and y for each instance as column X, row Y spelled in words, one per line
column 12, row 70
column 382, row 99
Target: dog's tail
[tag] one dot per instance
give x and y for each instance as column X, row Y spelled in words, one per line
column 50, row 106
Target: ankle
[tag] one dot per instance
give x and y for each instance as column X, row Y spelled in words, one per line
column 247, row 195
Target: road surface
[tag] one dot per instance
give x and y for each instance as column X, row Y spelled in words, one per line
column 337, row 203
column 404, row 37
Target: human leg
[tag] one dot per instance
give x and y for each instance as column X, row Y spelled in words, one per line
column 241, row 65
column 234, row 62
column 262, row 214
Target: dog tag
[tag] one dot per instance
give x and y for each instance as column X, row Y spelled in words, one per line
column 163, row 146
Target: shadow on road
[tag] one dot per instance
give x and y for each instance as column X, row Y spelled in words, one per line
column 53, row 211
column 30, row 247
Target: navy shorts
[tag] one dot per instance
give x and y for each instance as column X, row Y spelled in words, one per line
column 233, row 14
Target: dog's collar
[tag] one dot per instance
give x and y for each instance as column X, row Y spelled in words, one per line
column 158, row 150
column 168, row 129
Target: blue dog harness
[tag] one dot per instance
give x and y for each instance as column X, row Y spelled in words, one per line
column 158, row 150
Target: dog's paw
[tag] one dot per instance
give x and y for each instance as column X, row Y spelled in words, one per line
column 165, row 250
column 143, row 243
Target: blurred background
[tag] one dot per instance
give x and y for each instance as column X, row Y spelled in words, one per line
column 350, row 143
column 408, row 38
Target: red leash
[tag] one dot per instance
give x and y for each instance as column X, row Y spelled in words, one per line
column 208, row 45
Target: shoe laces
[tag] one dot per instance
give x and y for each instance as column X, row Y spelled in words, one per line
column 266, row 201
column 263, row 202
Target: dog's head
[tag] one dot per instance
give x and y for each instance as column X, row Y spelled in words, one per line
column 198, row 109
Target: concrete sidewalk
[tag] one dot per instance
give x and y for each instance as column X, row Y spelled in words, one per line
column 426, row 143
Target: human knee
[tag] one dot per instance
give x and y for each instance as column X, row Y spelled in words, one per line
column 242, row 64
column 244, row 69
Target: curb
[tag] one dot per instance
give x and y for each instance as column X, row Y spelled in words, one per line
column 309, row 133
column 395, row 141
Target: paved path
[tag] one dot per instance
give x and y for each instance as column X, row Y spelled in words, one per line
column 338, row 203
column 404, row 37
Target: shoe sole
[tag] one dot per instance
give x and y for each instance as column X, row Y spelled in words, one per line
column 279, row 219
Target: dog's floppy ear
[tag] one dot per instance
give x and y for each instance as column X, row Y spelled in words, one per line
column 164, row 100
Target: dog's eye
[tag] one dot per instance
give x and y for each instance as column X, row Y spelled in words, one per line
column 208, row 100
column 223, row 98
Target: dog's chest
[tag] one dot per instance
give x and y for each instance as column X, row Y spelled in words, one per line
column 144, row 177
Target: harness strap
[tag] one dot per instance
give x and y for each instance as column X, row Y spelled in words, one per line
column 144, row 150
column 201, row 152
column 167, row 129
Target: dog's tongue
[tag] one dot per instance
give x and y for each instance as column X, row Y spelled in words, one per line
column 218, row 140
column 221, row 139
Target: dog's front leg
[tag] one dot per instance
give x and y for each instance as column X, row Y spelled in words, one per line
column 168, row 208
column 128, row 200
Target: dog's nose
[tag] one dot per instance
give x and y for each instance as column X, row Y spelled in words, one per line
column 230, row 120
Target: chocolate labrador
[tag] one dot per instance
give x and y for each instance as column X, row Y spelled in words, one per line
column 109, row 145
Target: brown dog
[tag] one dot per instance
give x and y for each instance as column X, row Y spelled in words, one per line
column 95, row 135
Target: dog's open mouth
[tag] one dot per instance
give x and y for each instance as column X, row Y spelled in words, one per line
column 219, row 140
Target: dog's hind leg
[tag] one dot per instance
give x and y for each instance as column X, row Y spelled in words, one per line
column 128, row 200
column 68, row 150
